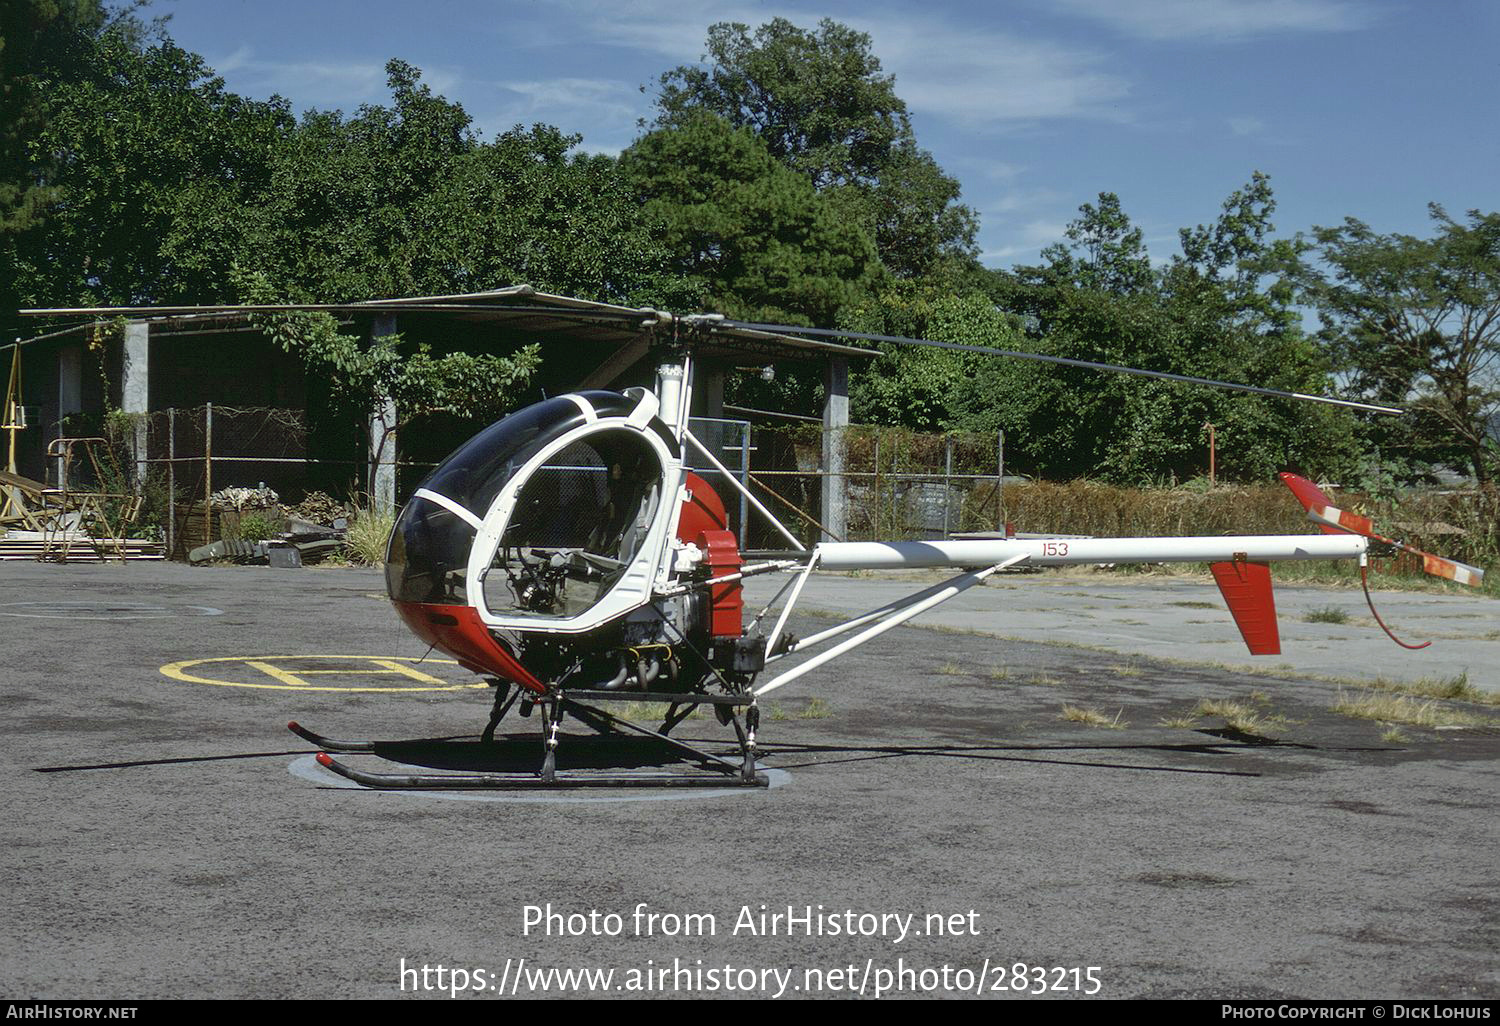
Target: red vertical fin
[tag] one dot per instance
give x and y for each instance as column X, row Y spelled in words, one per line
column 1246, row 588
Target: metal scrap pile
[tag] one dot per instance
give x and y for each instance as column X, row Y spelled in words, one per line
column 265, row 533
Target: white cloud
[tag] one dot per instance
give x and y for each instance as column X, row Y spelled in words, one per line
column 675, row 29
column 1222, row 20
column 1019, row 201
column 344, row 85
column 1025, row 240
column 1246, row 126
column 604, row 111
column 983, row 77
column 948, row 68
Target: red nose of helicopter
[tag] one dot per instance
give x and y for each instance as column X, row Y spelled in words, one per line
column 552, row 520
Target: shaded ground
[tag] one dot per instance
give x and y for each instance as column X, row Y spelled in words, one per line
column 1311, row 858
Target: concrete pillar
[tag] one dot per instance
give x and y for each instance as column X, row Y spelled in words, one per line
column 135, row 388
column 708, row 400
column 709, row 389
column 835, row 419
column 69, row 395
column 382, row 476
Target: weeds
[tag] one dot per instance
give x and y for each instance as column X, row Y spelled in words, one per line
column 816, row 709
column 1325, row 614
column 1398, row 709
column 652, row 712
column 1237, row 715
column 1092, row 717
column 1455, row 688
column 369, row 534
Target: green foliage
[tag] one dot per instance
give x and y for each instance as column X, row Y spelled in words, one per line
column 254, row 527
column 171, row 182
column 821, row 105
column 1418, row 320
column 369, row 536
column 364, row 373
column 1217, row 312
column 921, row 387
column 756, row 238
column 39, row 42
column 405, row 200
column 163, row 172
column 1104, row 252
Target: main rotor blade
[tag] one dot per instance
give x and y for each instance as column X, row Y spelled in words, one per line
column 788, row 329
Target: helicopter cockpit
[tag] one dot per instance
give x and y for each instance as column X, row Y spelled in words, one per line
column 552, row 518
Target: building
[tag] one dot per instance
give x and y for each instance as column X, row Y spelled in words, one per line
column 186, row 358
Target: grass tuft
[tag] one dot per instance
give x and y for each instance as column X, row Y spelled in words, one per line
column 369, row 534
column 1237, row 715
column 1388, row 708
column 1092, row 717
column 1325, row 614
column 816, row 709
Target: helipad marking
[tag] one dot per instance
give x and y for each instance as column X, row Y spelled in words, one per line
column 289, row 673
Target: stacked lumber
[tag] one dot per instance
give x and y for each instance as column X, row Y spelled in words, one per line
column 80, row 547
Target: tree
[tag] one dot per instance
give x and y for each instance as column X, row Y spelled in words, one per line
column 160, row 177
column 1418, row 320
column 405, row 200
column 42, row 44
column 823, row 108
column 1215, row 313
column 755, row 237
column 921, row 387
column 1105, row 252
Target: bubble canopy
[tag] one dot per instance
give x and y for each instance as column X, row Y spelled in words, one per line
column 542, row 517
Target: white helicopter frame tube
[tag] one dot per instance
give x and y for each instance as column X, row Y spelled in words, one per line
column 943, row 593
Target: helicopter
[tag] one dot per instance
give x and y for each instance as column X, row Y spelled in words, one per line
column 570, row 555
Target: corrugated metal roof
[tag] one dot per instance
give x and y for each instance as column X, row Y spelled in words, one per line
column 517, row 310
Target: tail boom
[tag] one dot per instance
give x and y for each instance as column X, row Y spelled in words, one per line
column 1268, row 548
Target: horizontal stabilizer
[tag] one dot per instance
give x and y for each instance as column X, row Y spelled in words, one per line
column 1246, row 588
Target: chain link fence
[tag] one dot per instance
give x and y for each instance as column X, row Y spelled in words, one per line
column 184, row 456
column 896, row 483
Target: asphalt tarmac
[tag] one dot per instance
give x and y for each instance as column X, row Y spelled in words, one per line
column 936, row 826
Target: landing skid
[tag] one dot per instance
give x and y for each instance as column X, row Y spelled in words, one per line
column 715, row 771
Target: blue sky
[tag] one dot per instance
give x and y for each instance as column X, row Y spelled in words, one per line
column 1364, row 108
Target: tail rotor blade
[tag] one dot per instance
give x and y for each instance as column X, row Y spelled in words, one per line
column 1332, row 520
